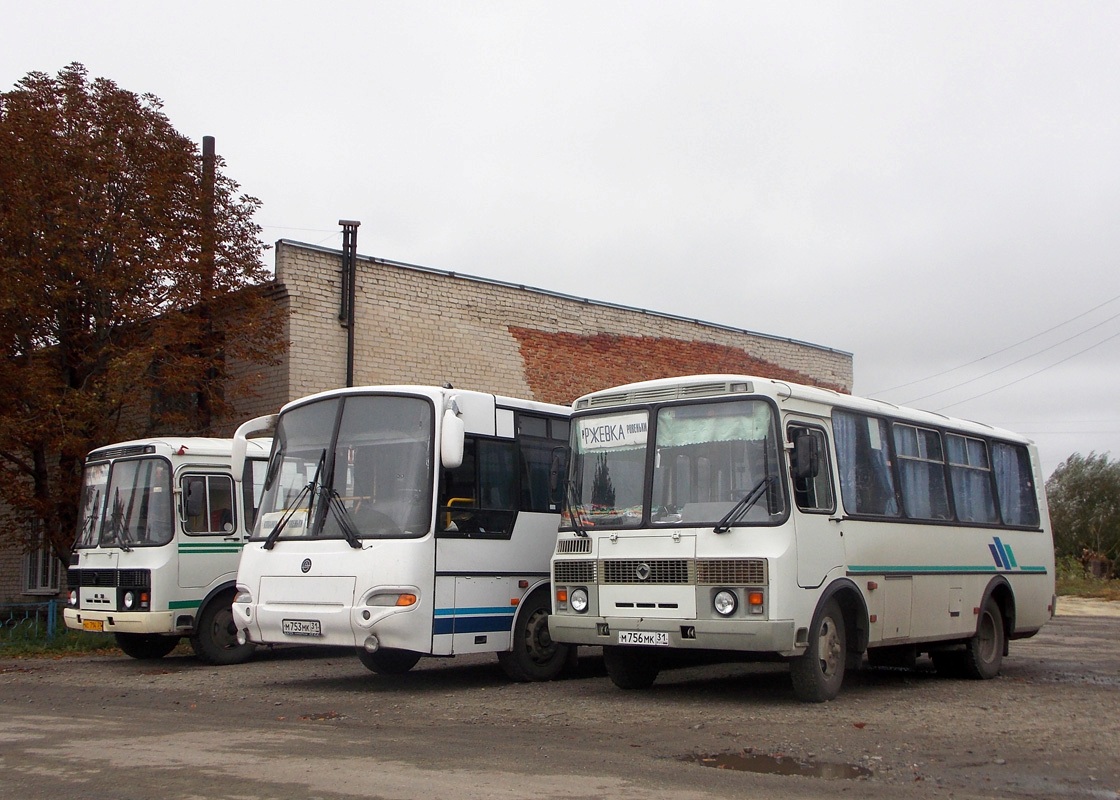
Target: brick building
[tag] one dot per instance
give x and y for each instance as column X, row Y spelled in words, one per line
column 418, row 325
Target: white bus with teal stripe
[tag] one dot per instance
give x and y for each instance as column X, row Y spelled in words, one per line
column 409, row 521
column 765, row 519
column 162, row 523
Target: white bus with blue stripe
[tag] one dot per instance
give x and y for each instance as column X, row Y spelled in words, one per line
column 409, row 521
column 762, row 519
column 160, row 532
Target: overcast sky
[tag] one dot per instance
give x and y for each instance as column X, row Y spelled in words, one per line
column 933, row 187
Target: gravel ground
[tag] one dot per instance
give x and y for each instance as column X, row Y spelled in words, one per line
column 308, row 723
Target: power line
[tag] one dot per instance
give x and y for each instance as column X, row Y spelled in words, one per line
column 998, row 352
column 1018, row 361
column 1031, row 375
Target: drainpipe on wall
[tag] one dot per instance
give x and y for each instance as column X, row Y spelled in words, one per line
column 349, row 284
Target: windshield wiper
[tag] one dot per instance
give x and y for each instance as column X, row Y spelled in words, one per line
column 86, row 536
column 310, row 493
column 745, row 504
column 270, row 540
column 575, row 516
column 119, row 526
column 342, row 516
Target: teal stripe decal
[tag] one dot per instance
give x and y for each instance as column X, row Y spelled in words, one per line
column 175, row 605
column 880, row 569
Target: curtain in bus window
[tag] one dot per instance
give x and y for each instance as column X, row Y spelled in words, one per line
column 708, row 456
column 713, row 422
column 866, row 482
column 921, row 471
column 971, row 478
column 1015, row 485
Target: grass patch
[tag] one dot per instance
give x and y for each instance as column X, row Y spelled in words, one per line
column 1074, row 581
column 64, row 643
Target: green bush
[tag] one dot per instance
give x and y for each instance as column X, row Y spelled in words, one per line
column 1073, row 579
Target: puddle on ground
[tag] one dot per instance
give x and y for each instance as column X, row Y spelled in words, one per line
column 780, row 765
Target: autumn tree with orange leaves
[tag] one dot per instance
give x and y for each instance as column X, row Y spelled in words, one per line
column 121, row 260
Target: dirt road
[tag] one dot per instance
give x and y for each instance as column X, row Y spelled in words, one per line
column 308, row 724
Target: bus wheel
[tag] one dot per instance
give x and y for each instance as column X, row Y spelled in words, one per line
column 983, row 653
column 818, row 673
column 387, row 661
column 631, row 667
column 146, row 646
column 215, row 635
column 533, row 655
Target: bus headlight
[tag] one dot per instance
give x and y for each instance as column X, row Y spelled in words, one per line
column 578, row 600
column 73, row 598
column 725, row 603
column 129, row 600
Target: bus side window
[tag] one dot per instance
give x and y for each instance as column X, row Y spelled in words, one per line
column 542, row 461
column 812, row 489
column 208, row 501
column 479, row 498
column 863, row 455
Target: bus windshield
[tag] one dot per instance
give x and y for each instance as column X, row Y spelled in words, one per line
column 92, row 504
column 371, row 478
column 713, row 464
column 136, row 506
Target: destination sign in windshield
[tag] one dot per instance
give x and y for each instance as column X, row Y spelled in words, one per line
column 614, row 432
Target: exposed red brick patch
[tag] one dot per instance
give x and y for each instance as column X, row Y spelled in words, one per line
column 559, row 367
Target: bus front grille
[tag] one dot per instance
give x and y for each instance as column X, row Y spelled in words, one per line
column 574, row 571
column 109, row 578
column 648, row 571
column 731, row 571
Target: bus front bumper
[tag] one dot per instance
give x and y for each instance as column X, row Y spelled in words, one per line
column 120, row 621
column 757, row 636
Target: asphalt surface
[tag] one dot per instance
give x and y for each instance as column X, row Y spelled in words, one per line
column 308, row 723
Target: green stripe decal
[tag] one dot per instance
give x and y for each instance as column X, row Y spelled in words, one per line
column 209, row 547
column 175, row 605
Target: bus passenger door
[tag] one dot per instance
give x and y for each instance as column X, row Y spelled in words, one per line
column 210, row 545
column 819, row 546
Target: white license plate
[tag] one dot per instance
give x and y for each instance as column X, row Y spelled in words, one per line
column 301, row 627
column 644, row 637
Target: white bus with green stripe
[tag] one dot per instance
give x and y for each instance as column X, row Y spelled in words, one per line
column 161, row 527
column 409, row 521
column 761, row 519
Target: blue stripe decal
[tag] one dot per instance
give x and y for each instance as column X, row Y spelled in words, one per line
column 1009, row 557
column 451, row 612
column 477, row 624
column 1001, row 557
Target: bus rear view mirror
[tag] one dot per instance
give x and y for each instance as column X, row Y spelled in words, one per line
column 806, row 456
column 452, row 439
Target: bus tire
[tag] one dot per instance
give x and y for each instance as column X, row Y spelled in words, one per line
column 819, row 672
column 146, row 646
column 388, row 661
column 215, row 635
column 983, row 653
column 631, row 667
column 533, row 655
